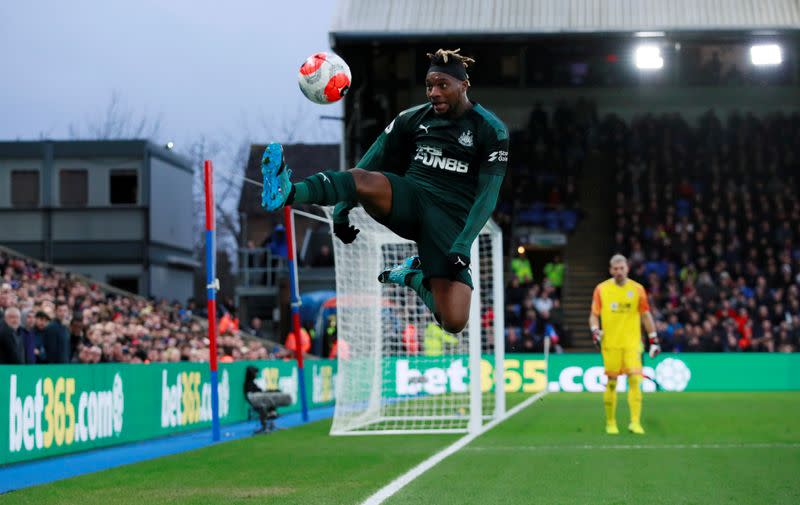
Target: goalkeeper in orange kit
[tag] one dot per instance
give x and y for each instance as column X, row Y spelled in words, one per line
column 620, row 305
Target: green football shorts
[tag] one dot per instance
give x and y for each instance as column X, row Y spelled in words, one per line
column 417, row 215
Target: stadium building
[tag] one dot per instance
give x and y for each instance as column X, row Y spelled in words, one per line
column 553, row 71
column 116, row 211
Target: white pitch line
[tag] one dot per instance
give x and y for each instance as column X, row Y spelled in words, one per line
column 399, row 483
column 777, row 445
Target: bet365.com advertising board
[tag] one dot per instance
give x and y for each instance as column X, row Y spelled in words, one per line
column 57, row 409
column 529, row 373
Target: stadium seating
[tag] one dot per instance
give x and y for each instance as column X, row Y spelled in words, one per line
column 541, row 192
column 114, row 326
column 710, row 219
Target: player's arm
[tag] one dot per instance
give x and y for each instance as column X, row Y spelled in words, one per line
column 594, row 317
column 652, row 334
column 488, row 191
column 649, row 324
column 491, row 172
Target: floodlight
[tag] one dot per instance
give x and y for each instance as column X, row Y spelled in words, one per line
column 648, row 57
column 766, row 54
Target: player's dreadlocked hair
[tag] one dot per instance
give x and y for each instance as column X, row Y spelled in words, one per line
column 451, row 62
column 443, row 57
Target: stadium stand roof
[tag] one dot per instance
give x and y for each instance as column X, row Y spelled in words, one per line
column 85, row 149
column 397, row 18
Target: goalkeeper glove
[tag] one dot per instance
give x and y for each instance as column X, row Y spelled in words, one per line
column 345, row 231
column 597, row 336
column 457, row 262
column 655, row 348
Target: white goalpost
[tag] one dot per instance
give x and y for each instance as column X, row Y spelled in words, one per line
column 398, row 372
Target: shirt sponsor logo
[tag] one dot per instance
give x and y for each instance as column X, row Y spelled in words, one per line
column 432, row 157
column 499, row 156
column 621, row 307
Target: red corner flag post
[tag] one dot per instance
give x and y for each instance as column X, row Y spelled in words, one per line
column 295, row 294
column 211, row 286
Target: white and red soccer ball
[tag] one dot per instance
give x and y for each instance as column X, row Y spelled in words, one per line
column 324, row 78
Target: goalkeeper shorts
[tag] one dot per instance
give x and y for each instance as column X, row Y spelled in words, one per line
column 622, row 360
column 416, row 215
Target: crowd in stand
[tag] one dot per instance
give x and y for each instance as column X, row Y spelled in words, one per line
column 556, row 147
column 533, row 309
column 47, row 316
column 541, row 191
column 710, row 220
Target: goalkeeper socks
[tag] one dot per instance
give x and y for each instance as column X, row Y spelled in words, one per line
column 324, row 188
column 635, row 397
column 414, row 281
column 610, row 401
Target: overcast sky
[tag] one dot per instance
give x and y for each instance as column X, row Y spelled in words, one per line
column 215, row 68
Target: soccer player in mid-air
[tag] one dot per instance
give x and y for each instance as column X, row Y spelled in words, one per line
column 432, row 176
column 621, row 305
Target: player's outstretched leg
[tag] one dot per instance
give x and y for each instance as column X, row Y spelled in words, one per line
column 323, row 188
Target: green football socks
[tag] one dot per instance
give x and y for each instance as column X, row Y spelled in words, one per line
column 414, row 281
column 324, row 188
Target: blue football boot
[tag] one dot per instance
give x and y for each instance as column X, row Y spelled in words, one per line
column 277, row 184
column 397, row 274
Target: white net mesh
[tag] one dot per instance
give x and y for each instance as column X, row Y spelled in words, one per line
column 398, row 371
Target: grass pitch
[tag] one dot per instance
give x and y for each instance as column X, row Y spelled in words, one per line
column 700, row 448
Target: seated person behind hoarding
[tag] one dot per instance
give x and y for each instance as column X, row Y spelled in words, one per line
column 432, row 176
column 266, row 403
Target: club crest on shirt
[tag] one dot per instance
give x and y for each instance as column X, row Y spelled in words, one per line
column 466, row 139
column 630, row 294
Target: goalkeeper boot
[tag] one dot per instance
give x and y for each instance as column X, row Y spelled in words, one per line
column 636, row 428
column 611, row 429
column 277, row 185
column 398, row 273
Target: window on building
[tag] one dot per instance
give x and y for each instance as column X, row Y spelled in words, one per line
column 24, row 188
column 124, row 187
column 73, row 188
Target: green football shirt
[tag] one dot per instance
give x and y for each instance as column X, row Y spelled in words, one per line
column 441, row 155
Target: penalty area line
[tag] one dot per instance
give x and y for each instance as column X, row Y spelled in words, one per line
column 399, row 483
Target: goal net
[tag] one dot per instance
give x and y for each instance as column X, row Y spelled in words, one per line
column 398, row 371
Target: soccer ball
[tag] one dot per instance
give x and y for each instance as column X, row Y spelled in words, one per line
column 324, row 78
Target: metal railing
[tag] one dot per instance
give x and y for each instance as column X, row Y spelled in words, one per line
column 259, row 267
